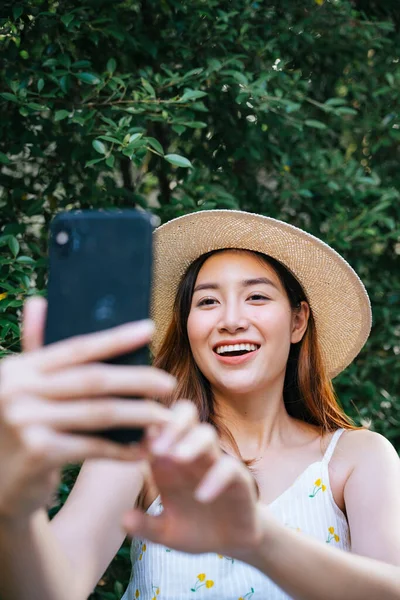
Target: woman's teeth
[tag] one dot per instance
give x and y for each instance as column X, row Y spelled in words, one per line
column 236, row 348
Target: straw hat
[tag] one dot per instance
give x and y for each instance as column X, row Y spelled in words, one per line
column 337, row 297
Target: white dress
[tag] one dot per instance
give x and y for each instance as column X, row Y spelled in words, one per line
column 160, row 573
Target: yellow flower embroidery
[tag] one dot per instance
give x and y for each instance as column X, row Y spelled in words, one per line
column 137, row 594
column 208, row 583
column 318, row 485
column 156, row 591
column 332, row 536
column 142, row 550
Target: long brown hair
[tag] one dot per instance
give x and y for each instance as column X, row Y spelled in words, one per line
column 308, row 392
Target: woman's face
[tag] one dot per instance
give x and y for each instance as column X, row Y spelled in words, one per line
column 241, row 324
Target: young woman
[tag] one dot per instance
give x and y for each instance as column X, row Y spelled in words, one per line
column 254, row 318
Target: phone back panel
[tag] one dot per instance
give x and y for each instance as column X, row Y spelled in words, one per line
column 99, row 277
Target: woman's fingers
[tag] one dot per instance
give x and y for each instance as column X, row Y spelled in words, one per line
column 200, row 441
column 184, row 417
column 101, row 380
column 95, row 346
column 87, row 415
column 46, row 449
column 223, row 473
column 33, row 323
column 144, row 526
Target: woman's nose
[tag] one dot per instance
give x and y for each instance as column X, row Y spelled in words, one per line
column 233, row 319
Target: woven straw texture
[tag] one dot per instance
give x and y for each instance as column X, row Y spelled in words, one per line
column 338, row 299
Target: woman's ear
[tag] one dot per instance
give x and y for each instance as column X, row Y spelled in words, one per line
column 300, row 322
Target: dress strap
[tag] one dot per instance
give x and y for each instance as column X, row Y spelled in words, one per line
column 332, row 445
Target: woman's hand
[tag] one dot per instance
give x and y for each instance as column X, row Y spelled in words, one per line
column 49, row 395
column 209, row 498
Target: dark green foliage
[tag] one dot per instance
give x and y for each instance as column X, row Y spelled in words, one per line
column 288, row 108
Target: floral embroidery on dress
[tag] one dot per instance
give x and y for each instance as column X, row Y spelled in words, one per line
column 137, row 594
column 202, row 581
column 248, row 595
column 142, row 550
column 318, row 485
column 156, row 591
column 332, row 536
column 229, row 558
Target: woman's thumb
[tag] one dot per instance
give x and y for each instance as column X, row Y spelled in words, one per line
column 138, row 524
column 33, row 321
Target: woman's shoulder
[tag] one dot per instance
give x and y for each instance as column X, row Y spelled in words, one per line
column 357, row 446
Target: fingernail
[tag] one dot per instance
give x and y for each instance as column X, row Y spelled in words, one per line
column 203, row 494
column 183, row 451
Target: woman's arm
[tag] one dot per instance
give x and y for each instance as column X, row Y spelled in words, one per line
column 309, row 570
column 65, row 558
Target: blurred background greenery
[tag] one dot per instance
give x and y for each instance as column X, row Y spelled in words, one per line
column 289, row 109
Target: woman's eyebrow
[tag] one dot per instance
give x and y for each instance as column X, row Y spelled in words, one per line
column 258, row 281
column 244, row 283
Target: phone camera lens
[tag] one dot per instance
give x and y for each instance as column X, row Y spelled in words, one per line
column 62, row 238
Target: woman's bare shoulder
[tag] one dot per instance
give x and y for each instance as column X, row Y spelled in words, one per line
column 360, row 445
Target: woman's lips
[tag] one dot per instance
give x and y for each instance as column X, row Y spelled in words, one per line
column 236, row 360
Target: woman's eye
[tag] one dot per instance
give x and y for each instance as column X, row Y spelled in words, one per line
column 206, row 302
column 258, row 297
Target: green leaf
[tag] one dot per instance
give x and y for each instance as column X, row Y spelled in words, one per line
column 40, row 85
column 111, row 65
column 179, row 129
column 109, row 138
column 67, row 19
column 99, row 147
column 110, row 161
column 50, row 62
column 35, row 106
column 88, row 78
column 155, row 144
column 315, row 124
column 178, row 161
column 81, row 64
column 26, row 260
column 335, row 101
column 17, row 12
column 9, row 97
column 192, row 95
column 148, row 87
column 195, row 124
column 4, row 159
column 346, row 110
column 13, row 244
column 64, row 83
column 94, row 161
column 389, row 78
column 61, row 114
column 134, row 137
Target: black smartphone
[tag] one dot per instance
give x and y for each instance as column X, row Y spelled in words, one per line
column 100, row 266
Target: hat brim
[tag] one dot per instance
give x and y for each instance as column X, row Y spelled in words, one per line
column 337, row 297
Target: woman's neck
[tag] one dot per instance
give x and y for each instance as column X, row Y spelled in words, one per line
column 257, row 421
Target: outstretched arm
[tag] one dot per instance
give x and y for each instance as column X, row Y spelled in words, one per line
column 210, row 505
